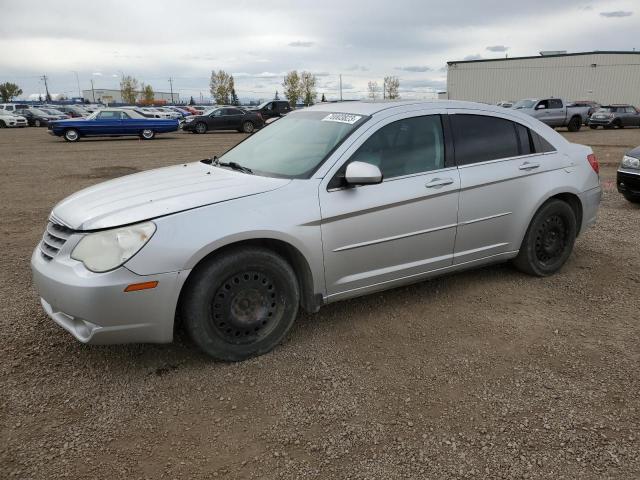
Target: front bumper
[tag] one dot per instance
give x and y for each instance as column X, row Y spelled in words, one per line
column 188, row 126
column 600, row 122
column 94, row 307
column 628, row 182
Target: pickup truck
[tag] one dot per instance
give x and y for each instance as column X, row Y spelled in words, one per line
column 554, row 112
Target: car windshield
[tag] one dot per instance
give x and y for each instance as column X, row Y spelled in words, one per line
column 51, row 111
column 524, row 104
column 294, row 146
column 606, row 109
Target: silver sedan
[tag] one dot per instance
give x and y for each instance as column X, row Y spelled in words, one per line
column 328, row 203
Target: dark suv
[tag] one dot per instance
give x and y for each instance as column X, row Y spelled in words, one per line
column 619, row 116
column 273, row 108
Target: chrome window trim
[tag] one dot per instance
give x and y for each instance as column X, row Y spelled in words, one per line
column 507, row 159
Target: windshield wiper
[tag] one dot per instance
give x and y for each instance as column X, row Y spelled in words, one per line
column 233, row 165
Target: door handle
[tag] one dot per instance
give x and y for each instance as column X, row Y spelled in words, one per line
column 438, row 182
column 529, row 166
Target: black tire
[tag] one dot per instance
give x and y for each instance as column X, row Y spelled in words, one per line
column 593, row 127
column 201, row 127
column 248, row 127
column 549, row 240
column 240, row 304
column 37, row 123
column 632, row 199
column 574, row 124
column 618, row 124
column 2, row 124
column 147, row 134
column 71, row 135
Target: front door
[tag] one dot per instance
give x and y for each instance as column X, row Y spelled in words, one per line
column 375, row 235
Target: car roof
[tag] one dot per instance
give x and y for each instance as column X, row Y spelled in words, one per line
column 374, row 107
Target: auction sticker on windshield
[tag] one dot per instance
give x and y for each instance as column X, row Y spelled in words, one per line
column 342, row 118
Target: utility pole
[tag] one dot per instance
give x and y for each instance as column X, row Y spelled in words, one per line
column 340, row 87
column 171, row 86
column 93, row 93
column 384, row 89
column 78, row 83
column 46, row 88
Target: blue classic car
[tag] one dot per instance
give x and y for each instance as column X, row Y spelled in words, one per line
column 112, row 122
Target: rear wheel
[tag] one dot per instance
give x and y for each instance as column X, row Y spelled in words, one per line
column 241, row 304
column 574, row 124
column 71, row 135
column 549, row 240
column 632, row 199
column 147, row 134
column 618, row 124
column 201, row 127
column 248, row 127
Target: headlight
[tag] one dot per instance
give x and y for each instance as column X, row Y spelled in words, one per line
column 630, row 162
column 106, row 250
column 189, row 119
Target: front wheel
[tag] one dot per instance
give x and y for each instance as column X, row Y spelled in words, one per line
column 240, row 304
column 2, row 124
column 549, row 240
column 37, row 123
column 632, row 199
column 147, row 134
column 201, row 127
column 248, row 127
column 71, row 135
column 574, row 124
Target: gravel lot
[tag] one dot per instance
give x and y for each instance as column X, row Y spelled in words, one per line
column 484, row 374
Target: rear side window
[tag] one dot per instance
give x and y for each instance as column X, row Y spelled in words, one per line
column 555, row 103
column 540, row 145
column 479, row 138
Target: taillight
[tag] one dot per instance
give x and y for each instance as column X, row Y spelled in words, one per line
column 593, row 161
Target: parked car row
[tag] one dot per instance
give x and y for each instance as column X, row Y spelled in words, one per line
column 557, row 113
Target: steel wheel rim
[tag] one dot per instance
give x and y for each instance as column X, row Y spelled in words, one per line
column 551, row 240
column 245, row 308
column 200, row 128
column 248, row 127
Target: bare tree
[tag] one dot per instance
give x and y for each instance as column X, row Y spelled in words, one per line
column 129, row 89
column 308, row 92
column 374, row 90
column 391, row 86
column 291, row 86
column 221, row 86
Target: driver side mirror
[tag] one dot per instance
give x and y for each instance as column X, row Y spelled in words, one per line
column 541, row 107
column 361, row 173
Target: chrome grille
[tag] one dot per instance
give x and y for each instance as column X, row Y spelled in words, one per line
column 53, row 240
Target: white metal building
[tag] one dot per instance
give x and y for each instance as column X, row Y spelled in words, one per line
column 605, row 77
column 115, row 96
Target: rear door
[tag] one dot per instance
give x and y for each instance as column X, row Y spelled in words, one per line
column 556, row 113
column 503, row 167
column 405, row 226
column 233, row 118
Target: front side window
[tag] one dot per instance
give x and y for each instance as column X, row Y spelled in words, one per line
column 480, row 138
column 109, row 115
column 405, row 147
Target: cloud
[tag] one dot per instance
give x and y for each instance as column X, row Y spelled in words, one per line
column 616, row 14
column 302, row 44
column 415, row 68
column 497, row 48
column 357, row 68
column 473, row 57
column 97, row 74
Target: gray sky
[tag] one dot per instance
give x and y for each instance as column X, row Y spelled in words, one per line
column 259, row 41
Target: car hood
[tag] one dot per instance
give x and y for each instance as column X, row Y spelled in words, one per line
column 635, row 153
column 156, row 193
